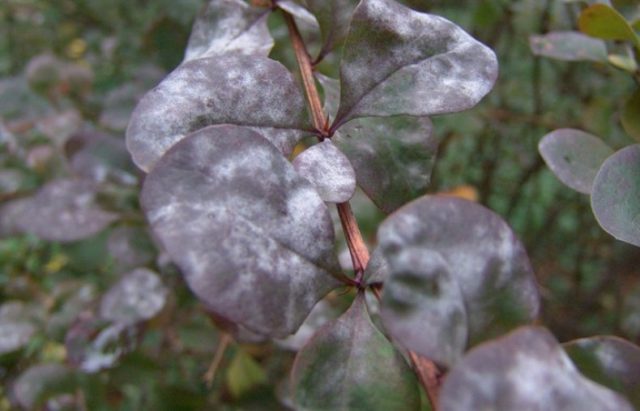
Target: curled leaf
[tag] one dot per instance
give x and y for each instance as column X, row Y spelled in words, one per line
column 253, row 239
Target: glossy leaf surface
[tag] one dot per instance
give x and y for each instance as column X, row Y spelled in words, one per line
column 630, row 116
column 399, row 61
column 350, row 365
column 457, row 267
column 574, row 157
column 328, row 170
column 604, row 22
column 526, row 370
column 616, row 190
column 253, row 239
column 137, row 296
column 226, row 26
column 610, row 361
column 62, row 210
column 231, row 89
column 569, row 46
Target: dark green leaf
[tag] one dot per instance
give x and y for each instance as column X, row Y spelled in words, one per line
column 225, row 26
column 526, row 370
column 253, row 239
column 457, row 267
column 569, row 46
column 610, row 361
column 574, row 157
column 250, row 91
column 328, row 170
column 399, row 61
column 615, row 195
column 631, row 115
column 350, row 365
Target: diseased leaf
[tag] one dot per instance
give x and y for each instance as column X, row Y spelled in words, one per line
column 377, row 270
column 253, row 239
column 322, row 313
column 393, row 157
column 328, row 170
column 62, row 210
column 14, row 334
column 609, row 361
column 41, row 382
column 574, row 157
column 225, row 26
column 333, row 17
column 631, row 115
column 569, row 46
column 302, row 15
column 457, row 267
column 616, row 190
column 130, row 247
column 231, row 89
column 350, row 365
column 525, row 370
column 604, row 22
column 400, row 61
column 138, row 296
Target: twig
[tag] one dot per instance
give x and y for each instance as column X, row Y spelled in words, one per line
column 209, row 376
column 357, row 247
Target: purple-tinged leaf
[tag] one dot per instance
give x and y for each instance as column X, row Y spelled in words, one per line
column 630, row 116
column 616, row 190
column 574, row 157
column 609, row 361
column 569, row 46
column 457, row 267
column 253, row 238
column 400, row 61
column 377, row 270
column 130, row 247
column 14, row 334
column 301, row 14
column 40, row 382
column 350, row 365
column 321, row 314
column 250, row 91
column 62, row 210
column 333, row 18
column 137, row 296
column 526, row 370
column 328, row 170
column 225, row 26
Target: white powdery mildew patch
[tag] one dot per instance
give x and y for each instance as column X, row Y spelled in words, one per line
column 328, row 170
column 14, row 335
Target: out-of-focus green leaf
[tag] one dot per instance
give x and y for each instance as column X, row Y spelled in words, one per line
column 630, row 116
column 244, row 374
column 604, row 22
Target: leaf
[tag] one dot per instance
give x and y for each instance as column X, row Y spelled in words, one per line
column 250, row 91
column 130, row 247
column 328, row 170
column 41, row 382
column 333, row 18
column 609, row 361
column 244, row 374
column 14, row 334
column 350, row 365
column 322, row 313
column 616, row 190
column 137, row 296
column 399, row 61
column 569, row 46
column 604, row 22
column 225, row 26
column 302, row 15
column 525, row 370
column 623, row 62
column 377, row 270
column 630, row 116
column 253, row 239
column 393, row 157
column 62, row 210
column 574, row 157
column 458, row 267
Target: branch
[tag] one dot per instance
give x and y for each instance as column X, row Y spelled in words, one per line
column 357, row 247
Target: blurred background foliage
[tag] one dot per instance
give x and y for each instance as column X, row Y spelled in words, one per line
column 71, row 70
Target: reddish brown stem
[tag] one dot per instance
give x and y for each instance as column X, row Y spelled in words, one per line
column 357, row 247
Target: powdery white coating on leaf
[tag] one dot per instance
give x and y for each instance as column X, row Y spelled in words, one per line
column 322, row 313
column 14, row 335
column 130, row 247
column 250, row 91
column 31, row 387
column 62, row 210
column 400, row 61
column 458, row 265
column 253, row 239
column 333, row 18
column 569, row 46
column 525, row 371
column 138, row 296
column 574, row 157
column 226, row 26
column 616, row 190
column 349, row 365
column 377, row 270
column 302, row 15
column 329, row 170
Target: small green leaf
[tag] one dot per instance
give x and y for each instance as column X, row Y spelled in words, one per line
column 610, row 361
column 350, row 366
column 615, row 195
column 604, row 22
column 568, row 46
column 244, row 374
column 630, row 117
column 626, row 63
